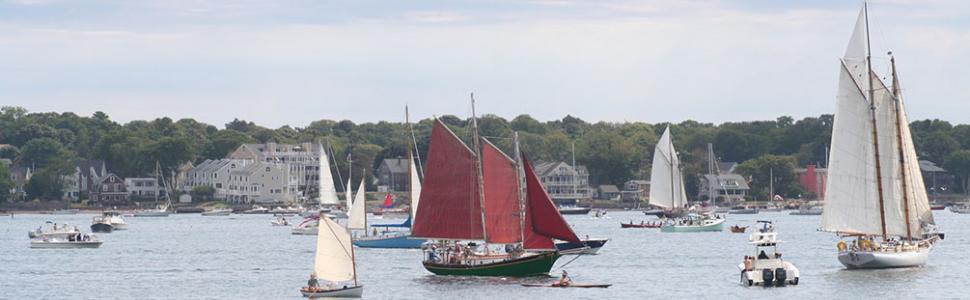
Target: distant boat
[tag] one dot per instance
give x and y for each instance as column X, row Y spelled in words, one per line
column 307, row 227
column 763, row 268
column 807, row 211
column 72, row 211
column 655, row 224
column 695, row 223
column 217, row 212
column 160, row 210
column 335, row 263
column 256, row 210
column 63, row 241
column 876, row 198
column 588, row 246
column 667, row 191
column 101, row 224
column 574, row 210
column 741, row 210
column 960, row 209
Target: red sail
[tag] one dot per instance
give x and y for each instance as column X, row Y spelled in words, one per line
column 450, row 206
column 543, row 221
column 501, row 196
column 388, row 201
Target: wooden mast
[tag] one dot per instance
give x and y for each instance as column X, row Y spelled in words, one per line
column 520, row 178
column 899, row 144
column 478, row 167
column 875, row 136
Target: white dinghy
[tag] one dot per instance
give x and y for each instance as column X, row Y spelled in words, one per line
column 334, row 264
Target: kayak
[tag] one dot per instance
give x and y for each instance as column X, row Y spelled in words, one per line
column 556, row 285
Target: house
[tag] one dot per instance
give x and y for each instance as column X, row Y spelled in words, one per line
column 262, row 182
column 110, row 190
column 724, row 187
column 392, row 175
column 143, row 188
column 812, row 180
column 213, row 173
column 87, row 172
column 20, row 176
column 609, row 192
column 936, row 179
column 564, row 183
column 635, row 190
column 727, row 167
column 300, row 159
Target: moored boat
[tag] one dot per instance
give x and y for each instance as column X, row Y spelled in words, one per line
column 217, row 212
column 807, row 211
column 695, row 223
column 574, row 210
column 741, row 210
column 738, row 229
column 101, row 224
column 876, row 199
column 654, row 224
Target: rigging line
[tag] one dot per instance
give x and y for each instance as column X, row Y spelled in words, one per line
column 334, row 234
column 571, row 261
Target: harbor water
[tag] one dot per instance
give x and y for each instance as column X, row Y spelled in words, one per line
column 244, row 257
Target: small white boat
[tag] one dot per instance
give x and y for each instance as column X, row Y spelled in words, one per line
column 115, row 219
column 75, row 240
column 65, row 212
column 335, row 264
column 960, row 209
column 307, row 227
column 217, row 212
column 694, row 223
column 257, row 210
column 764, row 269
column 280, row 221
column 151, row 213
column 810, row 211
column 344, row 292
column 741, row 210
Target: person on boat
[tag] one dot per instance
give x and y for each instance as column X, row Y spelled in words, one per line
column 564, row 280
column 313, row 284
column 748, row 264
column 375, row 232
column 763, row 255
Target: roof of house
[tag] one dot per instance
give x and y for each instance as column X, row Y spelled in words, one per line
column 929, row 166
column 396, row 165
column 546, row 168
column 742, row 184
column 726, row 167
column 609, row 188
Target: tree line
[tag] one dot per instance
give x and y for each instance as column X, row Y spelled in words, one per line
column 613, row 152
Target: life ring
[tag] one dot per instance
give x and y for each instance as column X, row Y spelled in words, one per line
column 841, row 245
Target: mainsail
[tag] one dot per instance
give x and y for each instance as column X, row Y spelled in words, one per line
column 450, row 204
column 666, row 180
column 542, row 219
column 501, row 196
column 415, row 193
column 328, row 193
column 357, row 215
column 334, row 260
column 873, row 160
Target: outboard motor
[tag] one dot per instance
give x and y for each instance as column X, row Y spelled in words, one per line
column 768, row 276
column 781, row 276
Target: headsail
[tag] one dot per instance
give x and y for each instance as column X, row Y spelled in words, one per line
column 328, row 193
column 334, row 260
column 542, row 219
column 415, row 194
column 349, row 198
column 450, row 207
column 357, row 215
column 501, row 196
column 666, row 180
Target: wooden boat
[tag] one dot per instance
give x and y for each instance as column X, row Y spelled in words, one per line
column 474, row 194
column 334, row 262
column 574, row 285
column 666, row 179
column 641, row 225
column 738, row 229
column 876, row 199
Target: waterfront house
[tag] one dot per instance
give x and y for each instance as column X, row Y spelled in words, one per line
column 299, row 159
column 262, row 182
column 609, row 192
column 392, row 175
column 635, row 190
column 143, row 188
column 110, row 190
column 724, row 187
column 812, row 180
column 564, row 183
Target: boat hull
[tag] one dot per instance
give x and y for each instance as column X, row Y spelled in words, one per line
column 305, row 231
column 884, row 260
column 717, row 226
column 574, row 211
column 590, row 246
column 217, row 213
column 350, row 292
column 64, row 245
column 743, row 211
column 521, row 267
column 102, row 227
column 155, row 214
column 393, row 242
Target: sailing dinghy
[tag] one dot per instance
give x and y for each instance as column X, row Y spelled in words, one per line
column 876, row 200
column 334, row 263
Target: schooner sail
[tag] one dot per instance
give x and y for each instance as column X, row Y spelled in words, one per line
column 875, row 190
column 328, row 193
column 666, row 180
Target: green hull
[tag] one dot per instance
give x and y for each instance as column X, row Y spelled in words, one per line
column 718, row 227
column 528, row 266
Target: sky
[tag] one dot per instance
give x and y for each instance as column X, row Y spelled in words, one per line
column 292, row 62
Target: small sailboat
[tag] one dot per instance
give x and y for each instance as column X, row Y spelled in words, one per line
column 763, row 268
column 334, row 263
column 876, row 200
column 667, row 191
column 162, row 209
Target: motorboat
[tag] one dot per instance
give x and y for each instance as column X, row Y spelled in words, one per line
column 115, row 219
column 574, row 210
column 256, row 209
column 54, row 229
column 286, row 211
column 101, row 224
column 960, row 209
column 217, row 212
column 63, row 241
column 766, row 269
column 807, row 211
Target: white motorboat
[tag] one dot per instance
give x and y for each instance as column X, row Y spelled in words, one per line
column 807, row 211
column 741, row 210
column 101, row 224
column 217, row 212
column 58, row 241
column 54, row 230
column 159, row 212
column 694, row 223
column 115, row 219
column 256, row 209
column 876, row 199
column 762, row 268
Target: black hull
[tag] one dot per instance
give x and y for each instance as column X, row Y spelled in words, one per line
column 102, row 227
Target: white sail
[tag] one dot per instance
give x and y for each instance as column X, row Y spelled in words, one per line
column 349, row 197
column 666, row 180
column 357, row 215
column 920, row 212
column 328, row 193
column 334, row 260
column 415, row 190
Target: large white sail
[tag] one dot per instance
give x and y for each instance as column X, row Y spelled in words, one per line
column 334, row 260
column 357, row 215
column 666, row 180
column 415, row 190
column 328, row 193
column 349, row 197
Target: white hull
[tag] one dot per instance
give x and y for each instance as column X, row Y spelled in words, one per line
column 64, row 245
column 756, row 276
column 352, row 292
column 883, row 260
column 151, row 214
column 119, row 226
column 219, row 212
column 305, row 231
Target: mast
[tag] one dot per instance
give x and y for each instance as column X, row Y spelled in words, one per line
column 771, row 184
column 414, row 141
column 519, row 172
column 410, row 162
column 575, row 174
column 363, row 172
column 899, row 145
column 478, row 167
column 710, row 170
column 875, row 135
column 670, row 161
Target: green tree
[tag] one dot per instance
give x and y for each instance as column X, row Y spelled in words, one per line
column 958, row 163
column 40, row 152
column 937, row 146
column 5, row 183
column 225, row 141
column 760, row 171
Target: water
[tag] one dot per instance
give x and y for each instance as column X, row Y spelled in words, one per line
column 243, row 257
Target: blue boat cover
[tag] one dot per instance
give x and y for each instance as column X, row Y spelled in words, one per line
column 406, row 224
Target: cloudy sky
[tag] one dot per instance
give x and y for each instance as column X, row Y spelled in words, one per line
column 292, row 62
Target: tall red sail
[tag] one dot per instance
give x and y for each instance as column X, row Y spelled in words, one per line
column 501, row 196
column 542, row 218
column 450, row 206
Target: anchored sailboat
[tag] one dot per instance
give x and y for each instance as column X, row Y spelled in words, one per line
column 334, row 263
column 876, row 192
column 478, row 195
